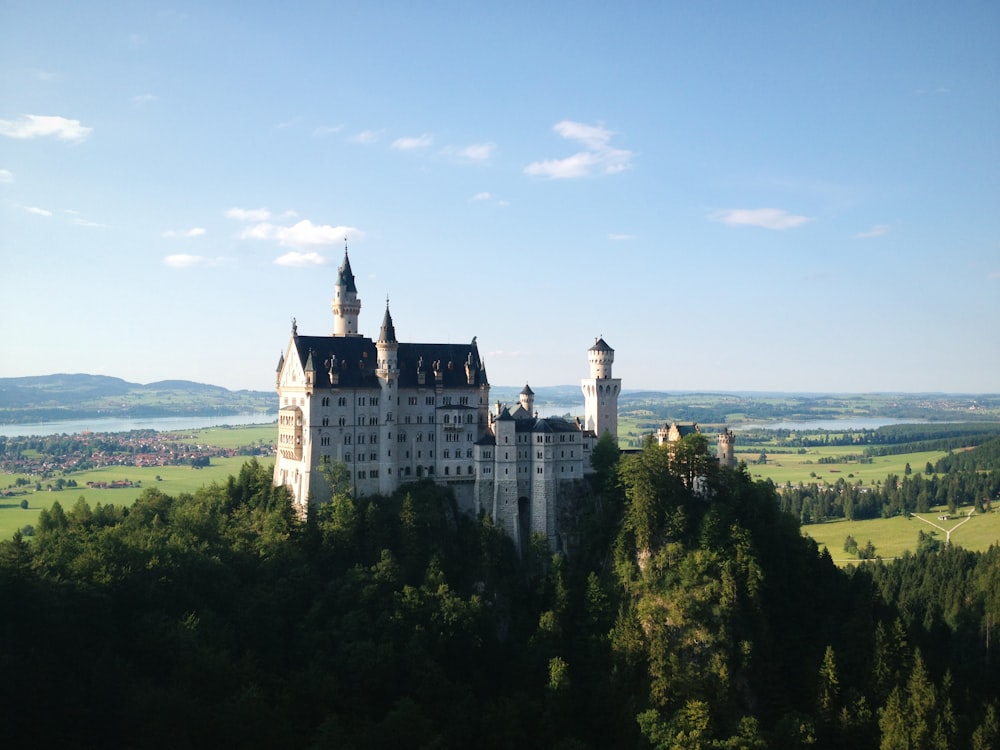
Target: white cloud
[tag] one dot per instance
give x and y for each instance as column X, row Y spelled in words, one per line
column 300, row 235
column 81, row 222
column 325, row 130
column 288, row 123
column 33, row 126
column 879, row 230
column 296, row 259
column 767, row 218
column 408, row 143
column 37, row 211
column 599, row 156
column 484, row 196
column 620, row 237
column 6, row 175
column 248, row 214
column 477, row 152
column 141, row 99
column 184, row 261
column 366, row 136
column 184, row 233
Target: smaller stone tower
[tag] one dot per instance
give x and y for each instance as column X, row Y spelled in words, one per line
column 345, row 304
column 387, row 371
column 600, row 391
column 727, row 444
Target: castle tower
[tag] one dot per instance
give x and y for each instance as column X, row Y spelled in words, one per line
column 345, row 304
column 527, row 399
column 726, row 452
column 600, row 391
column 387, row 371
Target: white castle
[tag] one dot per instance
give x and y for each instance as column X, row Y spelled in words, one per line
column 395, row 412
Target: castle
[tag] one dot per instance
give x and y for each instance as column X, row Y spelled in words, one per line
column 394, row 412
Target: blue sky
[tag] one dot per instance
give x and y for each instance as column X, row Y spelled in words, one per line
column 775, row 196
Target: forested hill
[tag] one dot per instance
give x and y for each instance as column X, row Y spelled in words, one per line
column 690, row 613
column 71, row 396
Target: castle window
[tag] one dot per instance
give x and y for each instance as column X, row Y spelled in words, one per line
column 361, row 439
column 324, row 459
column 412, row 400
column 347, row 457
column 430, row 436
column 374, row 401
column 447, row 454
column 430, row 453
column 538, row 439
column 539, row 455
column 342, row 421
column 374, row 473
column 347, row 439
column 429, row 400
column 388, row 418
column 538, row 470
column 447, row 419
column 458, row 469
column 420, row 419
column 361, row 401
column 325, row 440
column 372, row 457
column 325, row 401
column 470, row 469
column 446, row 471
column 361, row 475
column 464, row 400
column 407, row 469
column 446, row 400
column 326, row 421
column 468, row 453
column 342, row 401
column 406, row 419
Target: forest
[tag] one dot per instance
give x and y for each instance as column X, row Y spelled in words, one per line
column 688, row 612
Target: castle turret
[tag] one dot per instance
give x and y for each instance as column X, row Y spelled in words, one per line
column 726, row 451
column 345, row 304
column 387, row 371
column 527, row 399
column 600, row 391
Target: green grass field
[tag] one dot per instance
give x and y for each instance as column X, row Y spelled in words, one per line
column 894, row 536
column 174, row 480
column 798, row 467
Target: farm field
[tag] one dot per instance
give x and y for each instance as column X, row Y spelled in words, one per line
column 174, row 480
column 782, row 468
column 894, row 536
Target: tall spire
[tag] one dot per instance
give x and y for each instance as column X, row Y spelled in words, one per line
column 346, row 276
column 388, row 333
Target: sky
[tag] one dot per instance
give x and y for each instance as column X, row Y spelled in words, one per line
column 767, row 196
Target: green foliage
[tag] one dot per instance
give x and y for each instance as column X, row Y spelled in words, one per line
column 696, row 616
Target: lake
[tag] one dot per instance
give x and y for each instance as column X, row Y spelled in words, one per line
column 114, row 424
column 835, row 425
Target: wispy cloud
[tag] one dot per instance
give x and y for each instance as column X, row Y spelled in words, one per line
column 142, row 99
column 79, row 221
column 303, row 234
column 484, row 196
column 325, row 130
column 36, row 126
column 879, row 230
column 767, row 218
column 411, row 142
column 186, row 261
column 37, row 211
column 296, row 259
column 599, row 156
column 46, row 75
column 184, row 233
column 248, row 214
column 6, row 175
column 366, row 137
column 477, row 153
column 614, row 237
column 288, row 123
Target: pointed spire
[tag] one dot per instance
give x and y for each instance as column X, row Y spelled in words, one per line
column 388, row 333
column 345, row 276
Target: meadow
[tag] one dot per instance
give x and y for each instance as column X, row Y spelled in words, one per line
column 894, row 536
column 173, row 480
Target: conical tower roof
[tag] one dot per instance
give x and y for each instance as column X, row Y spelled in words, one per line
column 345, row 277
column 388, row 333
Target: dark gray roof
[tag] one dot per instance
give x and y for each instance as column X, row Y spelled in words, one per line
column 345, row 277
column 356, row 359
column 527, row 390
column 388, row 333
column 600, row 345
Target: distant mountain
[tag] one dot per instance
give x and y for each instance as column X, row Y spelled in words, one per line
column 78, row 395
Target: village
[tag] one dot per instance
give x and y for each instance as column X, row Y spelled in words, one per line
column 45, row 457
